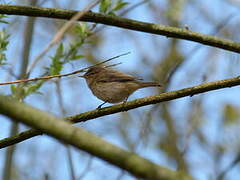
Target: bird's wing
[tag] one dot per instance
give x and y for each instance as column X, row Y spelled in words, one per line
column 116, row 76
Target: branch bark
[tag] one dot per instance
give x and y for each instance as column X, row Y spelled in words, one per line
column 168, row 96
column 167, row 31
column 85, row 141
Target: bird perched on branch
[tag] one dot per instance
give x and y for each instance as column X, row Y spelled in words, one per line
column 112, row 86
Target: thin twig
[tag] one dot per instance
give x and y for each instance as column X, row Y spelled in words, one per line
column 63, row 113
column 63, row 75
column 58, row 37
column 87, row 168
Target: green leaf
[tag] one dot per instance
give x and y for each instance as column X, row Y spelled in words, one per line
column 4, row 36
column 72, row 53
column 83, row 31
column 5, row 22
column 59, row 52
column 231, row 114
column 119, row 5
column 13, row 89
column 57, row 64
column 111, row 13
column 1, row 19
column 74, row 58
column 105, row 5
column 33, row 88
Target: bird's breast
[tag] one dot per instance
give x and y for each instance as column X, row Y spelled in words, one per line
column 112, row 92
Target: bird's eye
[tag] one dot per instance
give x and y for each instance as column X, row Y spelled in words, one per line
column 90, row 73
column 93, row 71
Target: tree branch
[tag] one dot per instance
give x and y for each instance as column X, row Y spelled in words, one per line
column 124, row 23
column 87, row 142
column 168, row 96
column 63, row 75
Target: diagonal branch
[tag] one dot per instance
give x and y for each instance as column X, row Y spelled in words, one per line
column 63, row 75
column 57, row 38
column 168, row 96
column 83, row 140
column 167, row 31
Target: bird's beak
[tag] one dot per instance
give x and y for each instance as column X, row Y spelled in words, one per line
column 82, row 76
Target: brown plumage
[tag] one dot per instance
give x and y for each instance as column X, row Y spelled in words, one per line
column 113, row 86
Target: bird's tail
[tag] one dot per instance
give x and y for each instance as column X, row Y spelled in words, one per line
column 149, row 84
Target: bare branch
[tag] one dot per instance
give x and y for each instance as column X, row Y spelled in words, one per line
column 64, row 75
column 168, row 96
column 181, row 33
column 83, row 140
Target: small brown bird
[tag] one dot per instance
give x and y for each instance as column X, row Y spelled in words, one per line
column 113, row 86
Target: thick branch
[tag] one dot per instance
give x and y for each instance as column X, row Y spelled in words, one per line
column 130, row 105
column 124, row 23
column 85, row 141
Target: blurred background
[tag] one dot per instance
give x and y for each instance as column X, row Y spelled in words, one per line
column 199, row 134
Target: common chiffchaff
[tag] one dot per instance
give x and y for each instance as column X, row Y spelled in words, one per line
column 113, row 86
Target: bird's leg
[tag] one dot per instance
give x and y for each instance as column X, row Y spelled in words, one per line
column 124, row 102
column 99, row 107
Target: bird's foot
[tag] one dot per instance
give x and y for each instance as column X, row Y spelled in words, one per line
column 100, row 106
